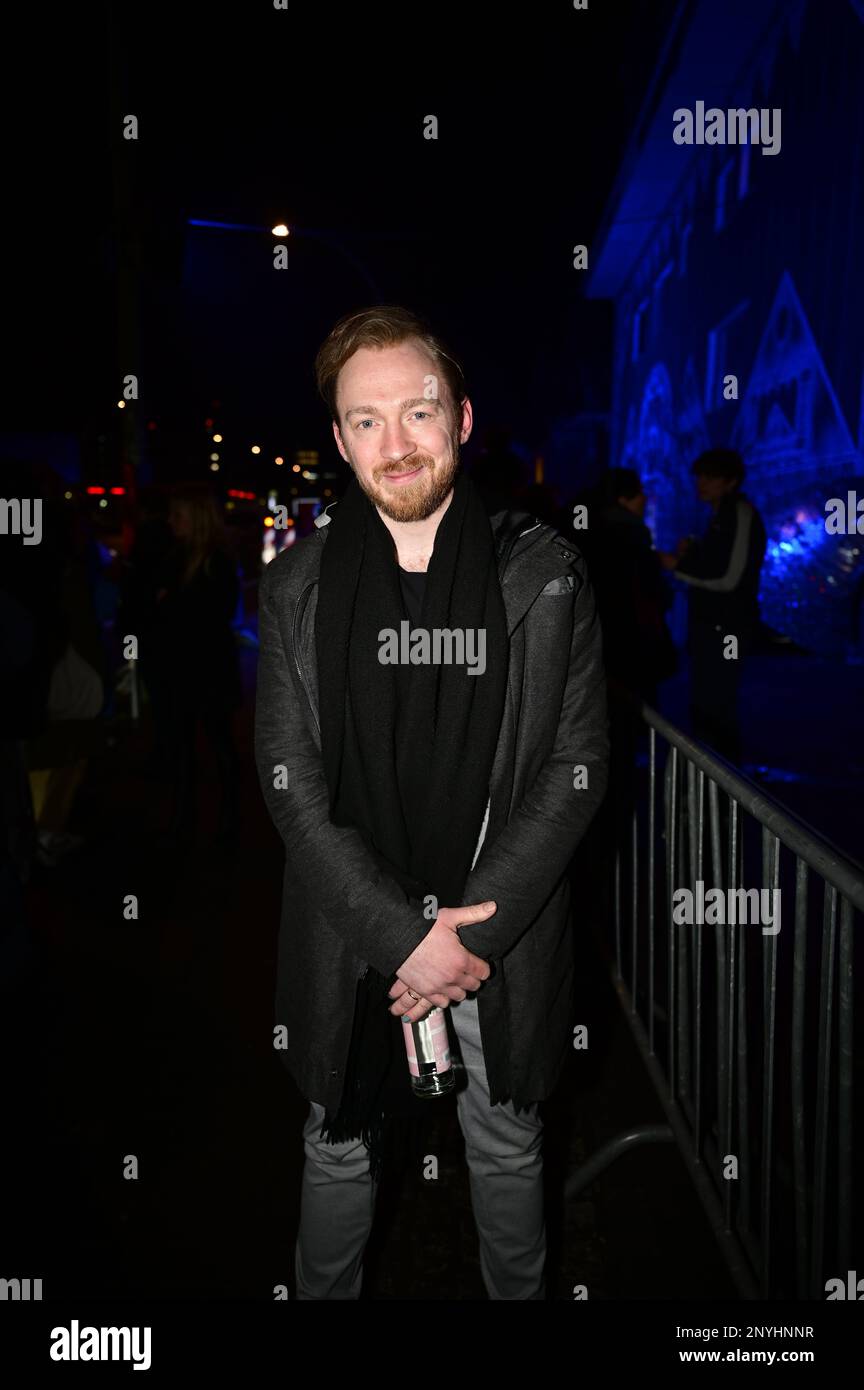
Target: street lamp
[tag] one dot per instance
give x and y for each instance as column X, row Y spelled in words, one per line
column 281, row 229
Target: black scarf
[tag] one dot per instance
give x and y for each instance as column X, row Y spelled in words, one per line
column 408, row 752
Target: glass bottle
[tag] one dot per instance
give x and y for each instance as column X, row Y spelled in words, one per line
column 428, row 1047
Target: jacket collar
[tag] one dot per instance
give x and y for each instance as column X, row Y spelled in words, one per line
column 507, row 525
column 543, row 555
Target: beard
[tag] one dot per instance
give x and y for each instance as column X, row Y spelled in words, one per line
column 417, row 500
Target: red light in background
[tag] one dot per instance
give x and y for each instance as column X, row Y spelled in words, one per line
column 151, row 424
column 118, row 491
column 208, row 424
column 96, row 491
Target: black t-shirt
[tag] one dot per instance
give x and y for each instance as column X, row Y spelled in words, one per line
column 413, row 585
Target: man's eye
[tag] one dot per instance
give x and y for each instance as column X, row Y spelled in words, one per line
column 363, row 422
column 421, row 412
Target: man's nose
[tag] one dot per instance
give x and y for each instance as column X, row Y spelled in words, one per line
column 396, row 442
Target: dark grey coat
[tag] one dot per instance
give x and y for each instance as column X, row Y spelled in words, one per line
column 340, row 913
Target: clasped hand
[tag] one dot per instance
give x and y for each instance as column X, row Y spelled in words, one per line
column 441, row 970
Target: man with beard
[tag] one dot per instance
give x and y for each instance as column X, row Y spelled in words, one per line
column 428, row 815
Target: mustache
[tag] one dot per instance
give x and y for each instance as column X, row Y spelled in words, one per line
column 420, row 460
column 403, row 468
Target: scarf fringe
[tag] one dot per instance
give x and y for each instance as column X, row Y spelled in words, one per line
column 390, row 1139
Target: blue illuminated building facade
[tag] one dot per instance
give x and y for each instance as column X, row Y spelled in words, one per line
column 727, row 262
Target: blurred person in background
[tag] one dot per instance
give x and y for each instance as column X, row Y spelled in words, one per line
column 18, row 705
column 498, row 473
column 143, row 578
column 194, row 655
column 638, row 651
column 59, row 690
column 632, row 594
column 722, row 571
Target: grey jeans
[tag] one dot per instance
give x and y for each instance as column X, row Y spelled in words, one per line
column 505, row 1169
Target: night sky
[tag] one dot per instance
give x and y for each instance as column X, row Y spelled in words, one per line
column 315, row 116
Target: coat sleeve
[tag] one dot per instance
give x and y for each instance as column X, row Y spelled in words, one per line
column 521, row 867
column 719, row 560
column 364, row 905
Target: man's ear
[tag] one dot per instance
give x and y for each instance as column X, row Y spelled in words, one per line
column 339, row 445
column 467, row 421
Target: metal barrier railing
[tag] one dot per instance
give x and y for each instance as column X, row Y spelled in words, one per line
column 756, row 1083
